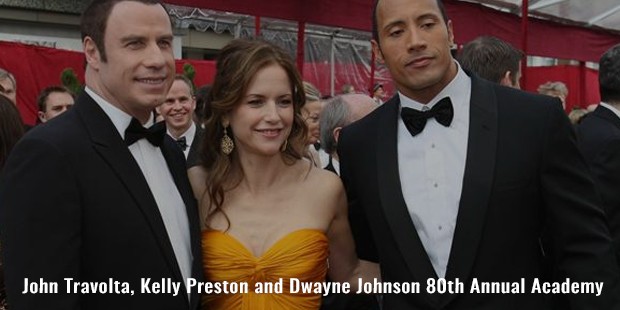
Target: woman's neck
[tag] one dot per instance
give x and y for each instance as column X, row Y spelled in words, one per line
column 261, row 173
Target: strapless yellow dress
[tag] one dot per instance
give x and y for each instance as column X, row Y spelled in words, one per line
column 301, row 254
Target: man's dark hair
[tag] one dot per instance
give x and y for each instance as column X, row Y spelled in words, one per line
column 490, row 58
column 95, row 21
column 375, row 29
column 609, row 75
column 42, row 98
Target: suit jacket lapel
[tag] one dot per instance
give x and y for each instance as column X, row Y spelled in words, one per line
column 197, row 143
column 391, row 195
column 477, row 181
column 108, row 143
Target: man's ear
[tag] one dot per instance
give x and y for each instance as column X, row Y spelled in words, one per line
column 41, row 117
column 336, row 134
column 450, row 32
column 193, row 104
column 506, row 79
column 376, row 49
column 93, row 57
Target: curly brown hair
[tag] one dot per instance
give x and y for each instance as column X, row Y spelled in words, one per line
column 237, row 64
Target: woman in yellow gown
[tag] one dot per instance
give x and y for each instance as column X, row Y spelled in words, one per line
column 268, row 214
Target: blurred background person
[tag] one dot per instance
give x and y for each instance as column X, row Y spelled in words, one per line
column 178, row 113
column 555, row 89
column 339, row 112
column 9, row 85
column 599, row 139
column 311, row 112
column 348, row 89
column 492, row 59
column 11, row 130
column 202, row 101
column 378, row 93
column 576, row 115
column 53, row 101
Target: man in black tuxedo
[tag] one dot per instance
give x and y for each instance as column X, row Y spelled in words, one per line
column 178, row 111
column 96, row 197
column 462, row 179
column 599, row 138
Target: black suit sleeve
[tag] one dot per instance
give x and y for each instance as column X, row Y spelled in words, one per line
column 39, row 195
column 578, row 233
column 605, row 168
column 358, row 221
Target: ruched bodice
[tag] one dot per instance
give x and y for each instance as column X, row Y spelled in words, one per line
column 301, row 254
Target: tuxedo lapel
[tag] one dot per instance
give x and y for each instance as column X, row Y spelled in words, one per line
column 477, row 181
column 109, row 144
column 176, row 166
column 391, row 195
column 197, row 143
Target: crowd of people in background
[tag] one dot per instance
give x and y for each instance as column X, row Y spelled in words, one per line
column 259, row 176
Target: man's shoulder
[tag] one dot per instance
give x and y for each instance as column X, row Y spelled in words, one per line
column 370, row 123
column 520, row 99
column 595, row 129
column 58, row 129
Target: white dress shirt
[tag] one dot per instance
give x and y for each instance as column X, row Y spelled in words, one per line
column 431, row 167
column 189, row 135
column 155, row 170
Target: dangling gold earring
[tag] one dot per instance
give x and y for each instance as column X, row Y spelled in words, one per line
column 227, row 145
column 284, row 145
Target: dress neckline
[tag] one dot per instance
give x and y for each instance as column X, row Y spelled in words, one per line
column 271, row 247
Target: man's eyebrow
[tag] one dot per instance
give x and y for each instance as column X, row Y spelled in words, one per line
column 166, row 37
column 130, row 38
column 391, row 24
column 427, row 16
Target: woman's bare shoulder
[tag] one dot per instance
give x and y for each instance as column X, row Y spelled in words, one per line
column 325, row 183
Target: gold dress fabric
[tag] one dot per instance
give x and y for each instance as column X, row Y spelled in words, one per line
column 301, row 254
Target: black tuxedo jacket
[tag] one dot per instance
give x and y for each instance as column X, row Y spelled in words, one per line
column 599, row 139
column 194, row 149
column 524, row 178
column 75, row 205
column 193, row 157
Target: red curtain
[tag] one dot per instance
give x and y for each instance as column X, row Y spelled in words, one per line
column 578, row 96
column 35, row 68
column 38, row 67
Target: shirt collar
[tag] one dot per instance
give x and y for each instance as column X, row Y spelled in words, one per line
column 119, row 118
column 189, row 134
column 454, row 89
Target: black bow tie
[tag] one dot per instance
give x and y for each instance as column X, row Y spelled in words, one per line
column 154, row 134
column 416, row 120
column 182, row 142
